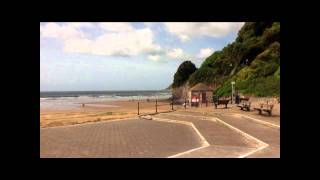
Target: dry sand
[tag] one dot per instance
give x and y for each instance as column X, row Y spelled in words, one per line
column 101, row 111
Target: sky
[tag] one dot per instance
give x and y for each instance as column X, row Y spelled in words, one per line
column 124, row 56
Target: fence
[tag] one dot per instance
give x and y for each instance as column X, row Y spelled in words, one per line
column 154, row 107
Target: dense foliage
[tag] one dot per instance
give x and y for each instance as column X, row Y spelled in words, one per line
column 252, row 61
column 184, row 71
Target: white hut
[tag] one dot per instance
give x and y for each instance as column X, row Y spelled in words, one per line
column 200, row 93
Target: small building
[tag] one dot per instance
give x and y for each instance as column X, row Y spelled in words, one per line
column 200, row 93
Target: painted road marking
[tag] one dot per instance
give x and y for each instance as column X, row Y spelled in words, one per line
column 261, row 144
column 257, row 120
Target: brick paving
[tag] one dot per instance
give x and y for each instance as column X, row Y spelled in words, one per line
column 145, row 138
column 275, row 119
column 225, row 142
column 264, row 133
column 125, row 138
column 213, row 132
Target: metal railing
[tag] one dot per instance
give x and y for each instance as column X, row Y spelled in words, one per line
column 155, row 104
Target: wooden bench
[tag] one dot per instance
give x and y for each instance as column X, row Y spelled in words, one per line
column 245, row 105
column 221, row 101
column 266, row 108
column 244, row 99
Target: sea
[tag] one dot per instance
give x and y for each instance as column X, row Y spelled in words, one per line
column 73, row 99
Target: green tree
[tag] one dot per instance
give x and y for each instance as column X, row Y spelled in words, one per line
column 184, row 71
column 203, row 74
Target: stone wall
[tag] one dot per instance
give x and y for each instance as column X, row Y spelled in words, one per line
column 180, row 93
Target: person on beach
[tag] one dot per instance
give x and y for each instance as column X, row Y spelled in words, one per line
column 237, row 98
column 82, row 104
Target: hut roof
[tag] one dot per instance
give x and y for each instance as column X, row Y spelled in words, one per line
column 201, row 87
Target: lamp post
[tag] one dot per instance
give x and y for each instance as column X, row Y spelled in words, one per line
column 232, row 93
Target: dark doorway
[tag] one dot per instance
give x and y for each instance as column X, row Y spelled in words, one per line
column 204, row 97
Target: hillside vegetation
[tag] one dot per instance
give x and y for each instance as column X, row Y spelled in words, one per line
column 252, row 61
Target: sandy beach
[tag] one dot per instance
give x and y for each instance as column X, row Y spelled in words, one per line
column 109, row 110
column 99, row 111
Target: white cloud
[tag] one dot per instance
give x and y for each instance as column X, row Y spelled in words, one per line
column 119, row 39
column 81, row 24
column 205, row 52
column 116, row 26
column 155, row 57
column 175, row 53
column 186, row 31
column 125, row 43
column 64, row 32
column 184, row 38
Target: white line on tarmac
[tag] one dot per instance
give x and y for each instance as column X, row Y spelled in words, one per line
column 261, row 144
column 258, row 120
column 203, row 117
column 204, row 142
column 187, row 152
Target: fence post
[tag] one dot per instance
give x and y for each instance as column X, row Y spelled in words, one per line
column 156, row 106
column 185, row 103
column 172, row 104
column 138, row 108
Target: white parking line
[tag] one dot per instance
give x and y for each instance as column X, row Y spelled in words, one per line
column 204, row 142
column 261, row 144
column 186, row 115
column 257, row 120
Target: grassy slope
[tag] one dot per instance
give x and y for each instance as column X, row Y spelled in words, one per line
column 252, row 61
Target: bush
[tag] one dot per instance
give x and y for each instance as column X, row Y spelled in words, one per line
column 262, row 86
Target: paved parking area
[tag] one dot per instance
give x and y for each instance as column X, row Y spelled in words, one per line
column 224, row 144
column 152, row 138
column 267, row 134
column 124, row 138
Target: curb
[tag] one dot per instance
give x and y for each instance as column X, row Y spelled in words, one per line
column 88, row 123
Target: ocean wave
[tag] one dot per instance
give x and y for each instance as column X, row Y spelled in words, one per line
column 73, row 101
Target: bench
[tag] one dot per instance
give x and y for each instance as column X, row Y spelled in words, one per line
column 244, row 99
column 245, row 105
column 266, row 108
column 221, row 101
